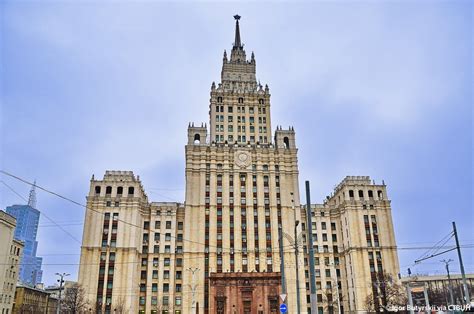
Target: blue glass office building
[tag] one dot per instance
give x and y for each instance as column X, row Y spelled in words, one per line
column 27, row 220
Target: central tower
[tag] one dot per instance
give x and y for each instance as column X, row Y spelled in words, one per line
column 241, row 187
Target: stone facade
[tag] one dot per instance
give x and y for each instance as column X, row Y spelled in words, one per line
column 32, row 300
column 219, row 251
column 353, row 240
column 10, row 255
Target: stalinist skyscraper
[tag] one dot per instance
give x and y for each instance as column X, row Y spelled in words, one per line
column 241, row 186
column 224, row 249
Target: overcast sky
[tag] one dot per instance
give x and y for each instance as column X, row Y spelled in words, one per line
column 371, row 88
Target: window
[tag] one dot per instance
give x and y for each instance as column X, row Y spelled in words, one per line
column 131, row 190
column 168, row 237
column 168, row 225
column 166, row 274
column 158, row 224
column 108, row 190
column 154, row 274
column 154, row 287
column 230, row 109
column 180, row 225
column 97, row 190
column 166, row 287
column 177, row 301
column 165, row 300
column 167, row 261
column 323, row 226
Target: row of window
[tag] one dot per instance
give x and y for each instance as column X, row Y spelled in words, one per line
column 167, row 261
column 240, row 139
column 369, row 192
column 240, row 128
column 157, row 237
column 241, row 119
column 108, row 190
column 323, row 226
column 168, row 223
column 261, row 101
column 165, row 301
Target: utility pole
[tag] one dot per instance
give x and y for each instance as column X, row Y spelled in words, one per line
column 193, row 287
column 309, row 243
column 410, row 299
column 297, row 270
column 427, row 301
column 282, row 262
column 464, row 283
column 450, row 287
column 61, row 281
column 296, row 258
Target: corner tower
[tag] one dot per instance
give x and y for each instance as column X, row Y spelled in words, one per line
column 241, row 187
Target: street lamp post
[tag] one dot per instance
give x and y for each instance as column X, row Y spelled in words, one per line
column 61, row 281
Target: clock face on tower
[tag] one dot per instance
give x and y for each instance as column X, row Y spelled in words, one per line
column 242, row 158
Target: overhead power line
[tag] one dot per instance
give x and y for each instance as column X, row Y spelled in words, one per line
column 42, row 212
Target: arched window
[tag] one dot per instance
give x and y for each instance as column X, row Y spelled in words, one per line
column 108, row 190
column 371, row 193
column 241, row 100
column 131, row 190
column 197, row 138
column 120, row 190
column 286, row 141
column 219, row 99
column 361, row 194
column 380, row 194
column 97, row 189
column 351, row 193
column 261, row 101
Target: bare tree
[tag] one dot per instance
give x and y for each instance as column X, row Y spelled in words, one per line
column 119, row 306
column 74, row 301
column 386, row 293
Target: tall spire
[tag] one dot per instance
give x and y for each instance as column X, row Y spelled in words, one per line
column 32, row 198
column 237, row 43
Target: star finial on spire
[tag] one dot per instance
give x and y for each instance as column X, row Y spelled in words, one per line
column 237, row 42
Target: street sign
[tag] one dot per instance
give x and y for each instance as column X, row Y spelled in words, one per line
column 283, row 308
column 282, row 297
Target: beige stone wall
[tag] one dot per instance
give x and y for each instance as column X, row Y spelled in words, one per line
column 214, row 160
column 10, row 253
column 347, row 213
